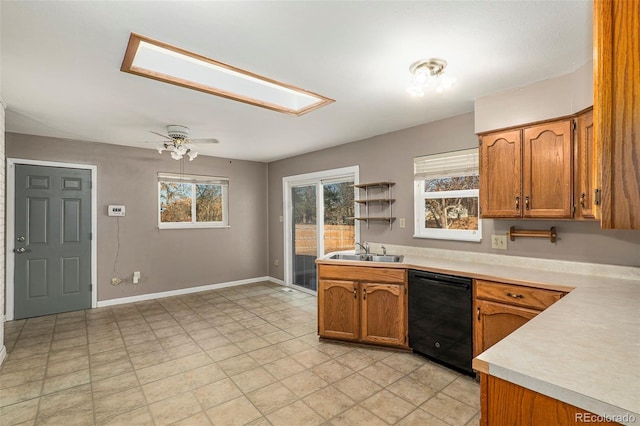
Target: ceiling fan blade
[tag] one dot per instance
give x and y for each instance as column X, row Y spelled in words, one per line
column 212, row 140
column 164, row 136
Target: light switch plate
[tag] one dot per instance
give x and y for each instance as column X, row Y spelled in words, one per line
column 115, row 210
column 403, row 222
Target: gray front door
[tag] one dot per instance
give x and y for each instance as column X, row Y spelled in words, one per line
column 53, row 240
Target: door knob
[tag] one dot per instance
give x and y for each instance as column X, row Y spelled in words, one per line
column 20, row 250
column 20, row 239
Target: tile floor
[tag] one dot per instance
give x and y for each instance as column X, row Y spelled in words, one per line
column 235, row 356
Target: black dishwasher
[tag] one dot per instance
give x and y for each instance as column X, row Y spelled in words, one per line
column 440, row 318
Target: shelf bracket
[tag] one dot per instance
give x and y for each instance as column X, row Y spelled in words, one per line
column 533, row 233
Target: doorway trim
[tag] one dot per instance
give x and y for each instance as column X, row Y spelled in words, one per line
column 289, row 182
column 10, row 237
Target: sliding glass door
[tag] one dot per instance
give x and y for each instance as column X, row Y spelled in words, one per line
column 319, row 210
column 305, row 235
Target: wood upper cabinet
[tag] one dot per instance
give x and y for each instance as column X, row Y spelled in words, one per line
column 383, row 314
column 586, row 169
column 363, row 304
column 546, row 170
column 527, row 172
column 616, row 110
column 503, row 308
column 501, row 174
column 338, row 309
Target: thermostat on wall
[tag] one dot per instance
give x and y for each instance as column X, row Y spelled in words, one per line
column 115, row 210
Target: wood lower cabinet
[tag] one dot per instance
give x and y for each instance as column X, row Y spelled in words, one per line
column 503, row 308
column 383, row 314
column 363, row 304
column 338, row 309
column 495, row 321
column 505, row 403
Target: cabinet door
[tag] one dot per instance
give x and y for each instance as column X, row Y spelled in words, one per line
column 616, row 109
column 495, row 321
column 500, row 174
column 383, row 314
column 338, row 309
column 546, row 184
column 586, row 172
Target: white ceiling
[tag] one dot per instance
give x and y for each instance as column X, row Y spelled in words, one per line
column 60, row 65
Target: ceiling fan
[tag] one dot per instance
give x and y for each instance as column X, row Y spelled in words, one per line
column 180, row 144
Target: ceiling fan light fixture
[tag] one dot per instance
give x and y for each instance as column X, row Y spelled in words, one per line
column 178, row 143
column 178, row 132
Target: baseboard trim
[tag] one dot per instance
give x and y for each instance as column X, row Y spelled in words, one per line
column 189, row 290
column 277, row 281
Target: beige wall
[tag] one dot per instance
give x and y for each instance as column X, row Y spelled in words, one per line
column 168, row 259
column 542, row 100
column 2, row 234
column 390, row 157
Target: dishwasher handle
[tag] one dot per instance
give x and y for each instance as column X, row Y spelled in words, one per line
column 449, row 284
column 440, row 278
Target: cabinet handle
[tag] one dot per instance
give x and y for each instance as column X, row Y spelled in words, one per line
column 478, row 310
column 596, row 197
column 518, row 203
column 582, row 198
column 515, row 295
column 364, row 294
column 355, row 292
column 526, row 202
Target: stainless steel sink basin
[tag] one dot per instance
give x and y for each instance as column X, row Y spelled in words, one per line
column 369, row 257
column 361, row 257
column 385, row 258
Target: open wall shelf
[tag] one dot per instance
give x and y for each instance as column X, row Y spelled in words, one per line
column 377, row 194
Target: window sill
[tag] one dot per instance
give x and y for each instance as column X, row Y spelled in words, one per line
column 451, row 238
column 192, row 226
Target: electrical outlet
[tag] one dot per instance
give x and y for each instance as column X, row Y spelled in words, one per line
column 276, row 262
column 499, row 242
column 403, row 222
column 115, row 281
column 136, row 277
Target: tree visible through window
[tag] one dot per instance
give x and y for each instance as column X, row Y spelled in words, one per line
column 193, row 201
column 451, row 212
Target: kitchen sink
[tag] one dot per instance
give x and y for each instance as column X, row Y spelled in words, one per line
column 350, row 256
column 369, row 257
column 385, row 258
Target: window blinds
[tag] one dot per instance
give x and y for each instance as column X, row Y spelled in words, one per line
column 197, row 179
column 448, row 164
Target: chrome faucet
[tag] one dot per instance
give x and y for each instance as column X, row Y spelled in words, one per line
column 364, row 247
column 384, row 250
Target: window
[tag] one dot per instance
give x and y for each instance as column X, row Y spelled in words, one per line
column 188, row 201
column 446, row 196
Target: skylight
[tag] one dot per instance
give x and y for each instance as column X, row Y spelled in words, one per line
column 160, row 61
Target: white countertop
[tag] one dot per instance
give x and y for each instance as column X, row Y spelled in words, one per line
column 583, row 350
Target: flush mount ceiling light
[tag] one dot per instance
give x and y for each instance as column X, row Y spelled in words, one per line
column 160, row 61
column 426, row 74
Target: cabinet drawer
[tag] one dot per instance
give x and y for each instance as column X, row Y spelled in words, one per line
column 517, row 295
column 356, row 273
